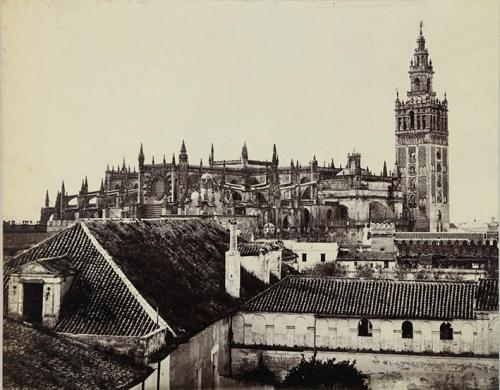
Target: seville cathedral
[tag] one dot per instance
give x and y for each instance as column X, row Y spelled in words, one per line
column 291, row 198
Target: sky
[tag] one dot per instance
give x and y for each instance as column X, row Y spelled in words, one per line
column 84, row 83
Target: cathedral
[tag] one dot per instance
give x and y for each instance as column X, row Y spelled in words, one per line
column 291, row 198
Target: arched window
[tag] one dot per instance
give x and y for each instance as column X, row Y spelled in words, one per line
column 404, row 123
column 418, row 122
column 399, row 123
column 423, row 122
column 236, row 196
column 428, row 85
column 365, row 328
column 412, row 120
column 439, row 121
column 446, row 331
column 407, row 330
column 417, row 84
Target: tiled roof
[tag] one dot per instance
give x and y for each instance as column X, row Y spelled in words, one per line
column 251, row 249
column 177, row 265
column 98, row 301
column 487, row 295
column 35, row 359
column 371, row 298
column 59, row 265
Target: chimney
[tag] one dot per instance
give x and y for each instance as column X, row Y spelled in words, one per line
column 233, row 262
column 264, row 265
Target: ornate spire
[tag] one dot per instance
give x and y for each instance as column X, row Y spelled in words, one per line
column 101, row 189
column 275, row 155
column 63, row 190
column 47, row 199
column 173, row 159
column 183, row 157
column 244, row 151
column 384, row 170
column 211, row 157
column 124, row 167
column 141, row 156
column 164, row 160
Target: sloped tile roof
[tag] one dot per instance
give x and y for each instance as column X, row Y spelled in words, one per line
column 251, row 249
column 177, row 265
column 370, row 298
column 59, row 265
column 98, row 301
column 487, row 295
column 35, row 359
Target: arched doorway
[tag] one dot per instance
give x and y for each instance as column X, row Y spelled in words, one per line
column 342, row 213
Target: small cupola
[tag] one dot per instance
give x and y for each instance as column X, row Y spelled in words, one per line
column 36, row 289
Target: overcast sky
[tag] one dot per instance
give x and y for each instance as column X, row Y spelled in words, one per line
column 85, row 82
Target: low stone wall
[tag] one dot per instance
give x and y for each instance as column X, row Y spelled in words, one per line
column 387, row 370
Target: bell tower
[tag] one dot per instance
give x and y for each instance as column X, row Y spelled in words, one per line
column 422, row 146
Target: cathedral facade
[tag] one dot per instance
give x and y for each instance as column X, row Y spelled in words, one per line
column 292, row 198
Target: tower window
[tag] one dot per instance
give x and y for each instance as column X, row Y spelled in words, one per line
column 412, row 120
column 417, row 84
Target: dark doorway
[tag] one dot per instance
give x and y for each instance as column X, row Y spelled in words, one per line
column 32, row 302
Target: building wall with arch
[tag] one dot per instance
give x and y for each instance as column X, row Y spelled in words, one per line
column 275, row 330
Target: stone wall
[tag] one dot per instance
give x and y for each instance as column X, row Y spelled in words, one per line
column 202, row 360
column 387, row 370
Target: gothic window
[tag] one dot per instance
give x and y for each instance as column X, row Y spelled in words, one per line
column 411, row 201
column 407, row 330
column 438, row 198
column 439, row 167
column 446, row 331
column 439, row 121
column 428, row 85
column 418, row 122
column 399, row 123
column 236, row 196
column 404, row 123
column 412, row 120
column 158, row 188
column 423, row 122
column 438, row 154
column 136, row 186
column 365, row 328
column 412, row 152
column 412, row 184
